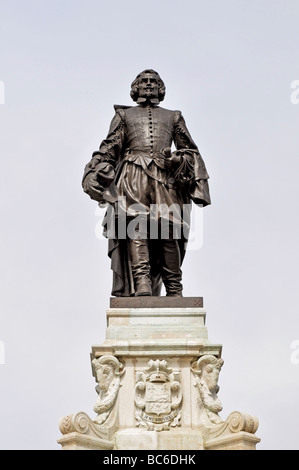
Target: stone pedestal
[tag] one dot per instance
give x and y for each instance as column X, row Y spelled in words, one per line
column 157, row 383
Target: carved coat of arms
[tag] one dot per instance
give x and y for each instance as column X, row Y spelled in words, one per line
column 158, row 396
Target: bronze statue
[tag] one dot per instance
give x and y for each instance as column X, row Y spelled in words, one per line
column 149, row 187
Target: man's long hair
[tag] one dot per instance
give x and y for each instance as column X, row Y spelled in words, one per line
column 135, row 85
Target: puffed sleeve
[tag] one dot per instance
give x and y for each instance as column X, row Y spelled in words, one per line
column 192, row 170
column 100, row 171
column 182, row 137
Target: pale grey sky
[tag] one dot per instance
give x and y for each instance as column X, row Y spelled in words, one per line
column 228, row 66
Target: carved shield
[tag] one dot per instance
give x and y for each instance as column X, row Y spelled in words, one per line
column 157, row 398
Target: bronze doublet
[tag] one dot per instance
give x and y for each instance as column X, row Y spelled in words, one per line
column 149, row 129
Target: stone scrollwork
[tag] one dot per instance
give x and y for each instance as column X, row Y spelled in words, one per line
column 235, row 423
column 206, row 370
column 158, row 397
column 108, row 372
column 78, row 422
column 238, row 421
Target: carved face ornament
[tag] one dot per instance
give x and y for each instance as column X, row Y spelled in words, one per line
column 104, row 376
column 210, row 375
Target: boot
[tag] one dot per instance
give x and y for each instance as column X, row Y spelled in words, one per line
column 171, row 268
column 139, row 255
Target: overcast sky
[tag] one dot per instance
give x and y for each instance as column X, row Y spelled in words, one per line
column 229, row 66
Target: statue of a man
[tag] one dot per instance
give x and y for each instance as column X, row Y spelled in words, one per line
column 136, row 173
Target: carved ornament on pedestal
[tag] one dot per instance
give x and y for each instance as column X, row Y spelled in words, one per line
column 158, row 396
column 206, row 371
column 108, row 371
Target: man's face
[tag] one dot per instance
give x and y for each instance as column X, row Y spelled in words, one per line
column 148, row 86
